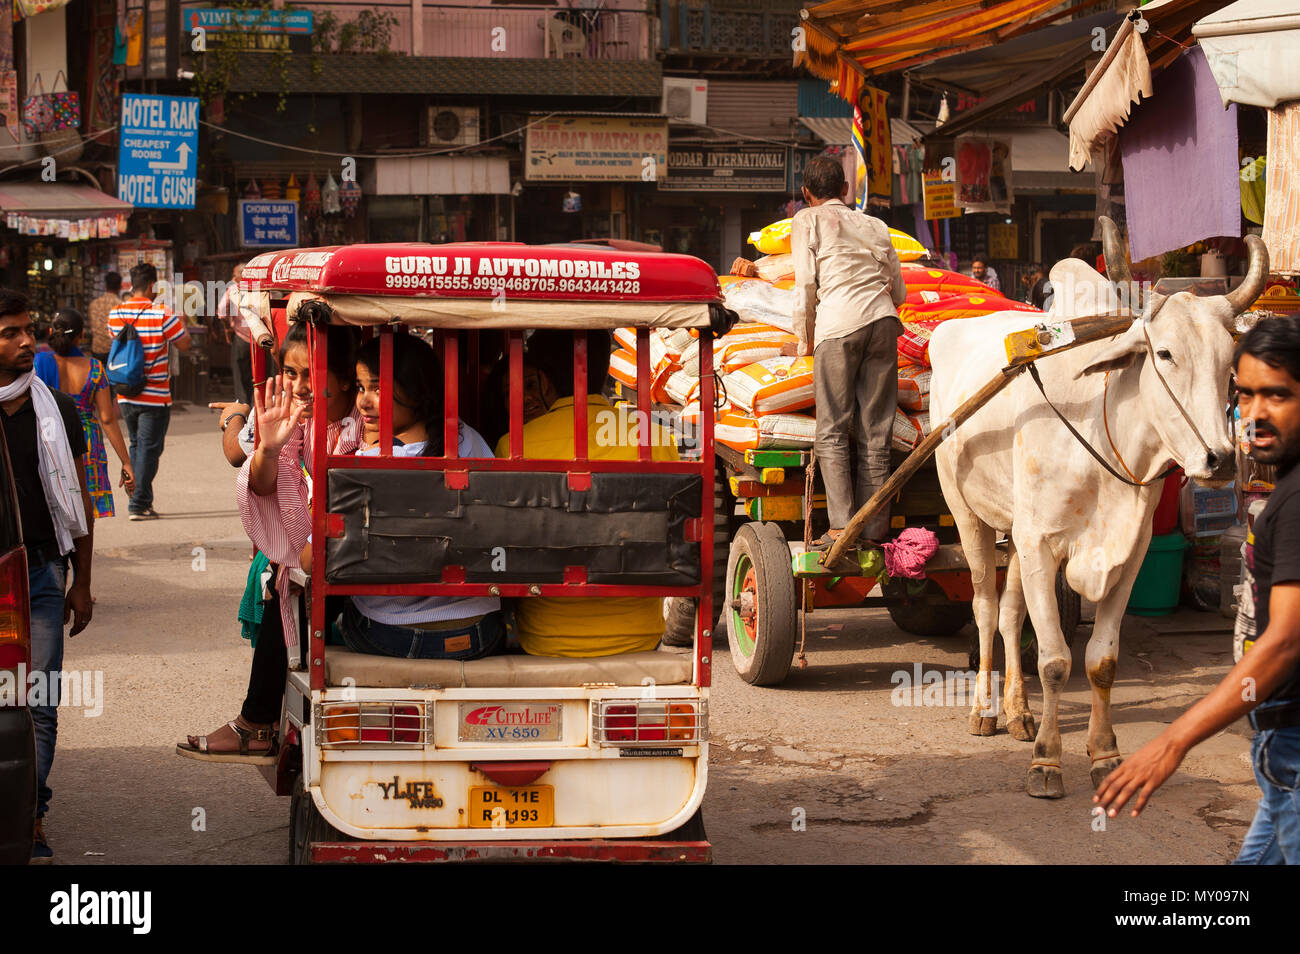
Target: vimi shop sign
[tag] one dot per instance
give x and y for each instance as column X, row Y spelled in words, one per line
column 157, row 151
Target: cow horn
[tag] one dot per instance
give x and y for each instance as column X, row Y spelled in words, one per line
column 1112, row 246
column 1244, row 295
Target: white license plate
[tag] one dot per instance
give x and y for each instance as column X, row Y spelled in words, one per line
column 510, row 722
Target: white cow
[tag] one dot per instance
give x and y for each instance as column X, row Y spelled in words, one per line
column 1014, row 468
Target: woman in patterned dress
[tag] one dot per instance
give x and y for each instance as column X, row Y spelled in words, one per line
column 84, row 378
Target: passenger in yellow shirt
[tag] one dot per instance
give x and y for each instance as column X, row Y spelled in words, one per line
column 576, row 626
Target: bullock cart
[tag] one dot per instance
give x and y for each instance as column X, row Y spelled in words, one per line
column 769, row 505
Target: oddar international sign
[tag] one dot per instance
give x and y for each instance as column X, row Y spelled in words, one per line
column 700, row 168
column 596, row 149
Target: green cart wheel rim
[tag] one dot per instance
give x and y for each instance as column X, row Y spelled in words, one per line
column 745, row 631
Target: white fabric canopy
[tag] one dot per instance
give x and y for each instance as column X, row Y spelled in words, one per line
column 1253, row 48
column 1100, row 111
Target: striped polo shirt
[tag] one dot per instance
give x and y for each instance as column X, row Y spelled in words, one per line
column 157, row 327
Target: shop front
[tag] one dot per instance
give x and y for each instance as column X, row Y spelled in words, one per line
column 713, row 196
column 58, row 242
column 589, row 175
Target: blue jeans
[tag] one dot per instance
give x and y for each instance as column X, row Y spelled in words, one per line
column 147, row 427
column 361, row 634
column 46, row 583
column 1274, row 836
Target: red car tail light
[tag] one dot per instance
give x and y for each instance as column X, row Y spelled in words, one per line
column 15, row 619
column 630, row 723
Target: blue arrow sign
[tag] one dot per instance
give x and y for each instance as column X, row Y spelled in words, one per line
column 157, row 146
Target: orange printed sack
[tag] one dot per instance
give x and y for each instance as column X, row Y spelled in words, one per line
column 772, row 386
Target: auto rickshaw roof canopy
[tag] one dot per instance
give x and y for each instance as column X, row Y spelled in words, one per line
column 489, row 284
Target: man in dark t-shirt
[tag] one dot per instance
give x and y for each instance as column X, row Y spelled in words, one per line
column 51, row 599
column 1265, row 683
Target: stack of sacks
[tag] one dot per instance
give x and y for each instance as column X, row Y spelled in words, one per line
column 767, row 398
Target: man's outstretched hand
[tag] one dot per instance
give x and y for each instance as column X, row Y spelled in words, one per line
column 1141, row 774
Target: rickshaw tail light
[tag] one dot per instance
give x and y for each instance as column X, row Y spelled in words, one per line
column 627, row 722
column 374, row 723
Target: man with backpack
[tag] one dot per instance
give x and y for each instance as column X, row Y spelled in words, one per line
column 137, row 368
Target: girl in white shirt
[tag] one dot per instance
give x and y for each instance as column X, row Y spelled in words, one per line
column 417, row 627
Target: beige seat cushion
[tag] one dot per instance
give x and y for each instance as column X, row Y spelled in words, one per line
column 665, row 667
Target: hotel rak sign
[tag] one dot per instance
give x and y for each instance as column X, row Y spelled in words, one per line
column 701, row 168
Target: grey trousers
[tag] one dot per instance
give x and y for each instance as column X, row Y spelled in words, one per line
column 856, row 382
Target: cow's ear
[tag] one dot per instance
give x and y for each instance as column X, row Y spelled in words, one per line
column 1118, row 354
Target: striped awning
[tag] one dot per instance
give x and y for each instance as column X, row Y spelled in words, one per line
column 849, row 41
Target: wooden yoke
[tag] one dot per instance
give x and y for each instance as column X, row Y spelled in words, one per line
column 1023, row 348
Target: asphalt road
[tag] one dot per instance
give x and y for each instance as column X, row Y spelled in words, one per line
column 822, row 769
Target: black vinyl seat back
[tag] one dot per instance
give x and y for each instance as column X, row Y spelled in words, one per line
column 404, row 526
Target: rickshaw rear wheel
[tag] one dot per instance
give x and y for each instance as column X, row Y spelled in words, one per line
column 307, row 825
column 762, row 618
column 693, row 830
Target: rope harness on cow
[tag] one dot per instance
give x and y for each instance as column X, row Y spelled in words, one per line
column 1131, row 479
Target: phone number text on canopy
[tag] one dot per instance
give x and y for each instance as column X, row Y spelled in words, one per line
column 495, row 285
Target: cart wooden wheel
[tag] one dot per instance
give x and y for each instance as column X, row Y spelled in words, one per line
column 762, row 621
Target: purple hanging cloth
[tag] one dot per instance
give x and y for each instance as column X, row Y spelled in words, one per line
column 1179, row 151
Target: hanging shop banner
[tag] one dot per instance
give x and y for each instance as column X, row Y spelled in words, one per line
column 6, row 39
column 876, row 142
column 858, row 184
column 224, row 20
column 940, row 195
column 155, row 56
column 268, row 223
column 984, row 174
column 1003, row 241
column 157, row 143
column 698, row 168
column 29, row 8
column 596, row 149
column 9, row 104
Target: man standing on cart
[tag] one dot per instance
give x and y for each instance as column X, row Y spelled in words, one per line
column 848, row 286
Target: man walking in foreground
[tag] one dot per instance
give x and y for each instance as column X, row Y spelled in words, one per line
column 148, row 413
column 848, row 284
column 1265, row 684
column 47, row 449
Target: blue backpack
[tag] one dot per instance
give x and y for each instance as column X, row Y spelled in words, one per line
column 125, row 367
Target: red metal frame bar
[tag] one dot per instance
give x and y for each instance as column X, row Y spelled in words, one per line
column 707, row 612
column 524, row 464
column 451, row 397
column 644, row 384
column 320, row 454
column 387, row 390
column 580, row 450
column 369, row 852
column 516, row 351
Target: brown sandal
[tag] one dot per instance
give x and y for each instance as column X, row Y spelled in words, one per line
column 197, row 746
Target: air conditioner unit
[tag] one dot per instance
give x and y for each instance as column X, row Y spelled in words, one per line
column 451, row 126
column 686, row 100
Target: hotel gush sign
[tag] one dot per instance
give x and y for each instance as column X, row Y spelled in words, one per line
column 596, row 149
column 699, row 168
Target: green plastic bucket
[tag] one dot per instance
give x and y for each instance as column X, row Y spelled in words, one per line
column 1159, row 582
